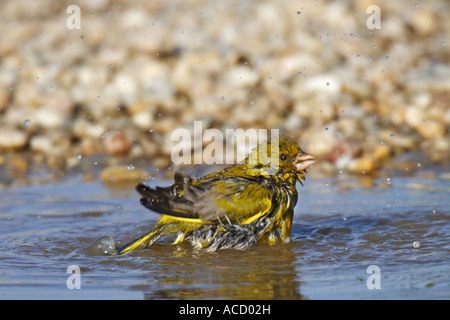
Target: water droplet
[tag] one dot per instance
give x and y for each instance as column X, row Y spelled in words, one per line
column 103, row 246
column 328, row 84
column 78, row 156
column 351, row 35
column 374, row 47
column 388, row 181
column 416, row 4
column 416, row 244
column 358, row 56
column 82, row 37
column 419, row 164
column 443, row 44
column 299, row 12
column 26, row 123
column 251, row 102
column 130, row 167
column 300, row 73
column 326, row 129
column 393, row 136
column 222, row 99
column 151, row 130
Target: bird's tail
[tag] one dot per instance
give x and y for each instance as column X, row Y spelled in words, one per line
column 145, row 241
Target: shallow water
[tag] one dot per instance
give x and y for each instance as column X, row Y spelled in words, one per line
column 342, row 226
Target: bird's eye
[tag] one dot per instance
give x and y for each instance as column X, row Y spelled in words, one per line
column 283, row 157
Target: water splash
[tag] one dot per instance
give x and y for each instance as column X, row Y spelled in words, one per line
column 102, row 246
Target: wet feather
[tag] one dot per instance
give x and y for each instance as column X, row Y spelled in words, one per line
column 234, row 208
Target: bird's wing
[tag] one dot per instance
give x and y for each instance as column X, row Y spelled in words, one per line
column 234, row 199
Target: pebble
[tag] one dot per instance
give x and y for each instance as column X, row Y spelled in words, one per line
column 12, row 139
column 381, row 152
column 144, row 119
column 418, row 186
column 117, row 143
column 364, row 165
column 241, row 76
column 432, row 129
column 117, row 175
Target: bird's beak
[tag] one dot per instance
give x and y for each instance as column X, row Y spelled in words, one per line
column 304, row 161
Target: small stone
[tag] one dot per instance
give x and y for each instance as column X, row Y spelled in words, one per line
column 13, row 139
column 82, row 128
column 431, row 129
column 49, row 117
column 241, row 76
column 115, row 175
column 363, row 165
column 418, row 186
column 381, row 152
column 41, row 144
column 117, row 143
column 414, row 116
column 143, row 119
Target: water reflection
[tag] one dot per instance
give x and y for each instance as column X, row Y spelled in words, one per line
column 183, row 273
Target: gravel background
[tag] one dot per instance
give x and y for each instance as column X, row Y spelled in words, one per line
column 113, row 91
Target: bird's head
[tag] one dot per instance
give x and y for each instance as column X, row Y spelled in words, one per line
column 283, row 156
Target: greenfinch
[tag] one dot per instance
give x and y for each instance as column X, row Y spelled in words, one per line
column 232, row 208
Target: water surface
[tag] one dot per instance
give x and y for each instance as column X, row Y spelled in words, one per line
column 342, row 226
